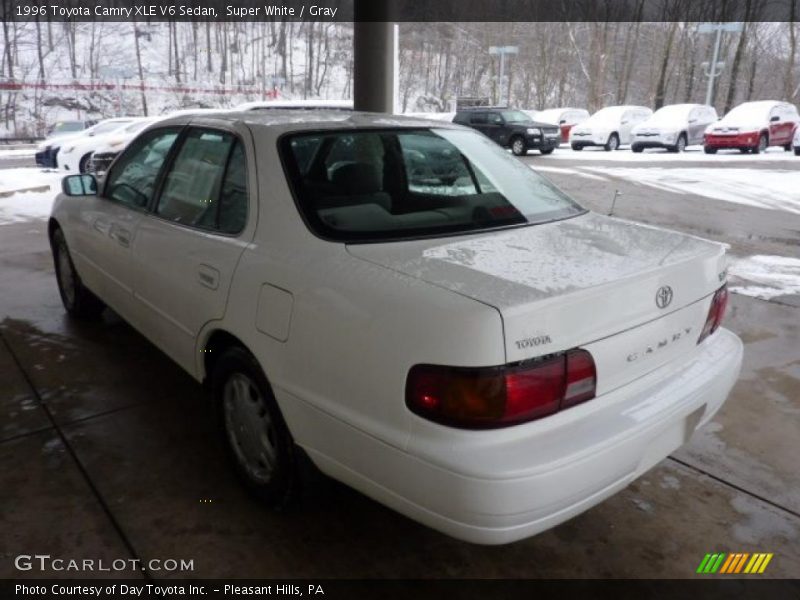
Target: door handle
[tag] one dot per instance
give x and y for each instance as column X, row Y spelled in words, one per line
column 208, row 277
column 120, row 235
column 100, row 225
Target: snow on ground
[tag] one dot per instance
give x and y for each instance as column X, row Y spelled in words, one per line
column 580, row 173
column 27, row 194
column 12, row 152
column 773, row 189
column 692, row 154
column 765, row 277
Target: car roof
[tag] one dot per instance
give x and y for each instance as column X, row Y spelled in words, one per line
column 281, row 121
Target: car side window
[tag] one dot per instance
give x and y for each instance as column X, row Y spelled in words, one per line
column 191, row 190
column 132, row 180
column 496, row 119
column 479, row 118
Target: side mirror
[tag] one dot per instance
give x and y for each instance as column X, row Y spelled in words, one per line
column 79, row 185
column 692, row 120
column 774, row 118
column 562, row 122
column 624, row 122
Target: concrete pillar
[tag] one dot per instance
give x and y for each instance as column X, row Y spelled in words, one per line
column 374, row 65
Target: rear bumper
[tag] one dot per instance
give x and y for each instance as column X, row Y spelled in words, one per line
column 741, row 140
column 496, row 487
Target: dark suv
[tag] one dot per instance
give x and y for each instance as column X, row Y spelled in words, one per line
column 511, row 129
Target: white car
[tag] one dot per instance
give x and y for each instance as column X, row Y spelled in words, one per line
column 674, row 127
column 566, row 118
column 76, row 151
column 107, row 147
column 609, row 127
column 423, row 315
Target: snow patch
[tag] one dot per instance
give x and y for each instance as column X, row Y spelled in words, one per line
column 27, row 194
column 766, row 276
column 563, row 170
column 774, row 190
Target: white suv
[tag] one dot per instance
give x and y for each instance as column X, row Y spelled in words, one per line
column 423, row 315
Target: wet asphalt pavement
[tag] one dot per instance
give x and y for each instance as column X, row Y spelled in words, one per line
column 107, row 450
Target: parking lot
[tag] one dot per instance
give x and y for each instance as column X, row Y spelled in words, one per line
column 107, row 448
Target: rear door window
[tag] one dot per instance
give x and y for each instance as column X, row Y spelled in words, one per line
column 206, row 186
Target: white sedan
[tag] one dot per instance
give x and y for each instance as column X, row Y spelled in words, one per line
column 424, row 316
column 76, row 151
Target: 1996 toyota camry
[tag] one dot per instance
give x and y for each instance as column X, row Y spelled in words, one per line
column 427, row 318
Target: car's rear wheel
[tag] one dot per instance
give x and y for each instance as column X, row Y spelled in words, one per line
column 787, row 147
column 255, row 435
column 709, row 150
column 546, row 150
column 612, row 143
column 76, row 298
column 680, row 145
column 577, row 148
column 797, row 150
column 763, row 142
column 637, row 148
column 518, row 146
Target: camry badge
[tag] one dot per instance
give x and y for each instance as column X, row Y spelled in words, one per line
column 663, row 296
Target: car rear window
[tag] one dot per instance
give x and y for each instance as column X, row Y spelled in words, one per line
column 383, row 185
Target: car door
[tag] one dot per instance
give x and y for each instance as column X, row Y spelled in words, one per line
column 479, row 120
column 111, row 219
column 188, row 246
column 626, row 123
column 497, row 129
column 776, row 126
column 695, row 126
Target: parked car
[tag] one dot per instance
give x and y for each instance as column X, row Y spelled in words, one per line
column 510, row 128
column 468, row 346
column 47, row 152
column 108, row 147
column 68, row 127
column 673, row 127
column 796, row 142
column 609, row 127
column 76, row 152
column 565, row 118
column 754, row 126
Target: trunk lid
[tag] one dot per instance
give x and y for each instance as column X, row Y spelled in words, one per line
column 590, row 281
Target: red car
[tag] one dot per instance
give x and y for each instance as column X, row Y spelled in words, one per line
column 754, row 126
column 565, row 118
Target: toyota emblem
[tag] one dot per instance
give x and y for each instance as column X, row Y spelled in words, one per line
column 663, row 296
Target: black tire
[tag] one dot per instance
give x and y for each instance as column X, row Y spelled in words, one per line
column 546, row 150
column 745, row 150
column 276, row 484
column 77, row 299
column 577, row 148
column 518, row 146
column 763, row 142
column 709, row 150
column 680, row 144
column 612, row 143
column 797, row 150
column 637, row 148
column 787, row 148
column 83, row 164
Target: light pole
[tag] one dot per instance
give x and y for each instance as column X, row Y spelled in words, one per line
column 502, row 51
column 714, row 68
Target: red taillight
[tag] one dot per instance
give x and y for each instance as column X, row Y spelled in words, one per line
column 501, row 396
column 715, row 313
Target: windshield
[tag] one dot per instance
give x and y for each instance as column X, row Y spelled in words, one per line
column 68, row 127
column 749, row 112
column 671, row 114
column 515, row 116
column 106, row 127
column 394, row 184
